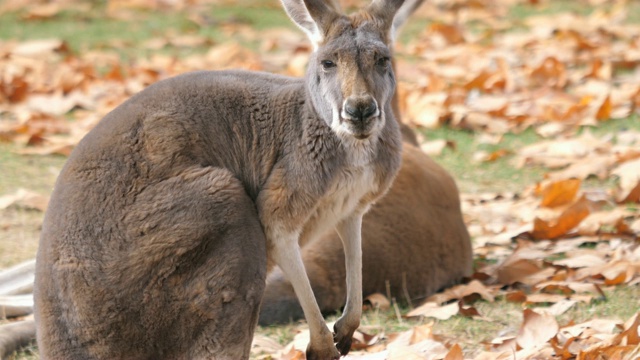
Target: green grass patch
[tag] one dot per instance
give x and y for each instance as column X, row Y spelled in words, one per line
column 36, row 173
column 614, row 126
column 473, row 176
column 524, row 10
column 87, row 30
column 502, row 175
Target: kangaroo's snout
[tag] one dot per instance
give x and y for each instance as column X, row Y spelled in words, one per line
column 359, row 113
column 360, row 108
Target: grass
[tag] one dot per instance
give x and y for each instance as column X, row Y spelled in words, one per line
column 29, row 353
column 19, row 227
column 499, row 318
column 85, row 30
column 497, row 175
column 524, row 10
column 501, row 174
column 37, row 173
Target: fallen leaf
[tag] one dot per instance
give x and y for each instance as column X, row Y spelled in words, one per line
column 455, row 353
column 557, row 308
column 432, row 309
column 378, row 301
column 434, row 147
column 421, row 333
column 580, row 261
column 560, row 192
column 460, row 292
column 515, row 269
column 264, row 345
column 24, row 198
column 604, row 111
column 42, row 11
column 569, row 219
column 36, row 48
column 536, row 329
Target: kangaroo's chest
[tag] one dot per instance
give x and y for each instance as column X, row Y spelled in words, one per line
column 344, row 196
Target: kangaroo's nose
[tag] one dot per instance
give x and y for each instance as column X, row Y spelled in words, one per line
column 360, row 108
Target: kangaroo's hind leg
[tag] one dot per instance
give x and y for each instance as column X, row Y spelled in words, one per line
column 219, row 283
column 181, row 276
column 234, row 273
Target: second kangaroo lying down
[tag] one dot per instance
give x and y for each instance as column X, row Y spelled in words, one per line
column 414, row 237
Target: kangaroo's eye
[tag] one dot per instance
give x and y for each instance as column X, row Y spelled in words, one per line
column 327, row 64
column 382, row 62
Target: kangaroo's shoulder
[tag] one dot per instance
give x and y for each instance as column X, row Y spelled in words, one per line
column 226, row 79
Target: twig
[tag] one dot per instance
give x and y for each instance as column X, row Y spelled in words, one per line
column 397, row 310
column 388, row 286
column 405, row 290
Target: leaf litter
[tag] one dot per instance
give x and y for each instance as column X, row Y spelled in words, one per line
column 548, row 247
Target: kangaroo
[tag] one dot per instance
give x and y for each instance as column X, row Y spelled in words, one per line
column 156, row 239
column 414, row 238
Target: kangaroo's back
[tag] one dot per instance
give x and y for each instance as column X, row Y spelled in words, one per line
column 151, row 240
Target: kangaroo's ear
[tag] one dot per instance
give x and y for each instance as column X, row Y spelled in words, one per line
column 408, row 8
column 313, row 16
column 385, row 11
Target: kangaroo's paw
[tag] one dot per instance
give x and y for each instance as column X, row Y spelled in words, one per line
column 343, row 336
column 321, row 347
column 326, row 353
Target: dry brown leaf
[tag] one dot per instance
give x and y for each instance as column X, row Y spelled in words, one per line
column 37, row 48
column 517, row 296
column 379, row 301
column 612, row 352
column 460, row 292
column 502, row 355
column 551, row 72
column 560, row 192
column 421, row 333
column 362, row 341
column 515, row 269
column 545, row 298
column 570, row 287
column 24, row 198
column 536, row 329
column 434, row 147
column 604, row 111
column 581, row 261
column 632, row 196
column 42, row 11
column 452, row 34
column 293, row 354
column 455, row 353
column 569, row 219
column 602, row 326
column 557, row 308
column 57, row 149
column 432, row 309
column 524, row 270
column 264, row 345
column 593, row 223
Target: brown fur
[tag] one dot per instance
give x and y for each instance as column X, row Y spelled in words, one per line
column 155, row 242
column 14, row 336
column 414, row 238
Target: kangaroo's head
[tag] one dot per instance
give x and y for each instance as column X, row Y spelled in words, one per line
column 349, row 78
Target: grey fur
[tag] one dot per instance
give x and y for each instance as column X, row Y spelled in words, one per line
column 156, row 239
